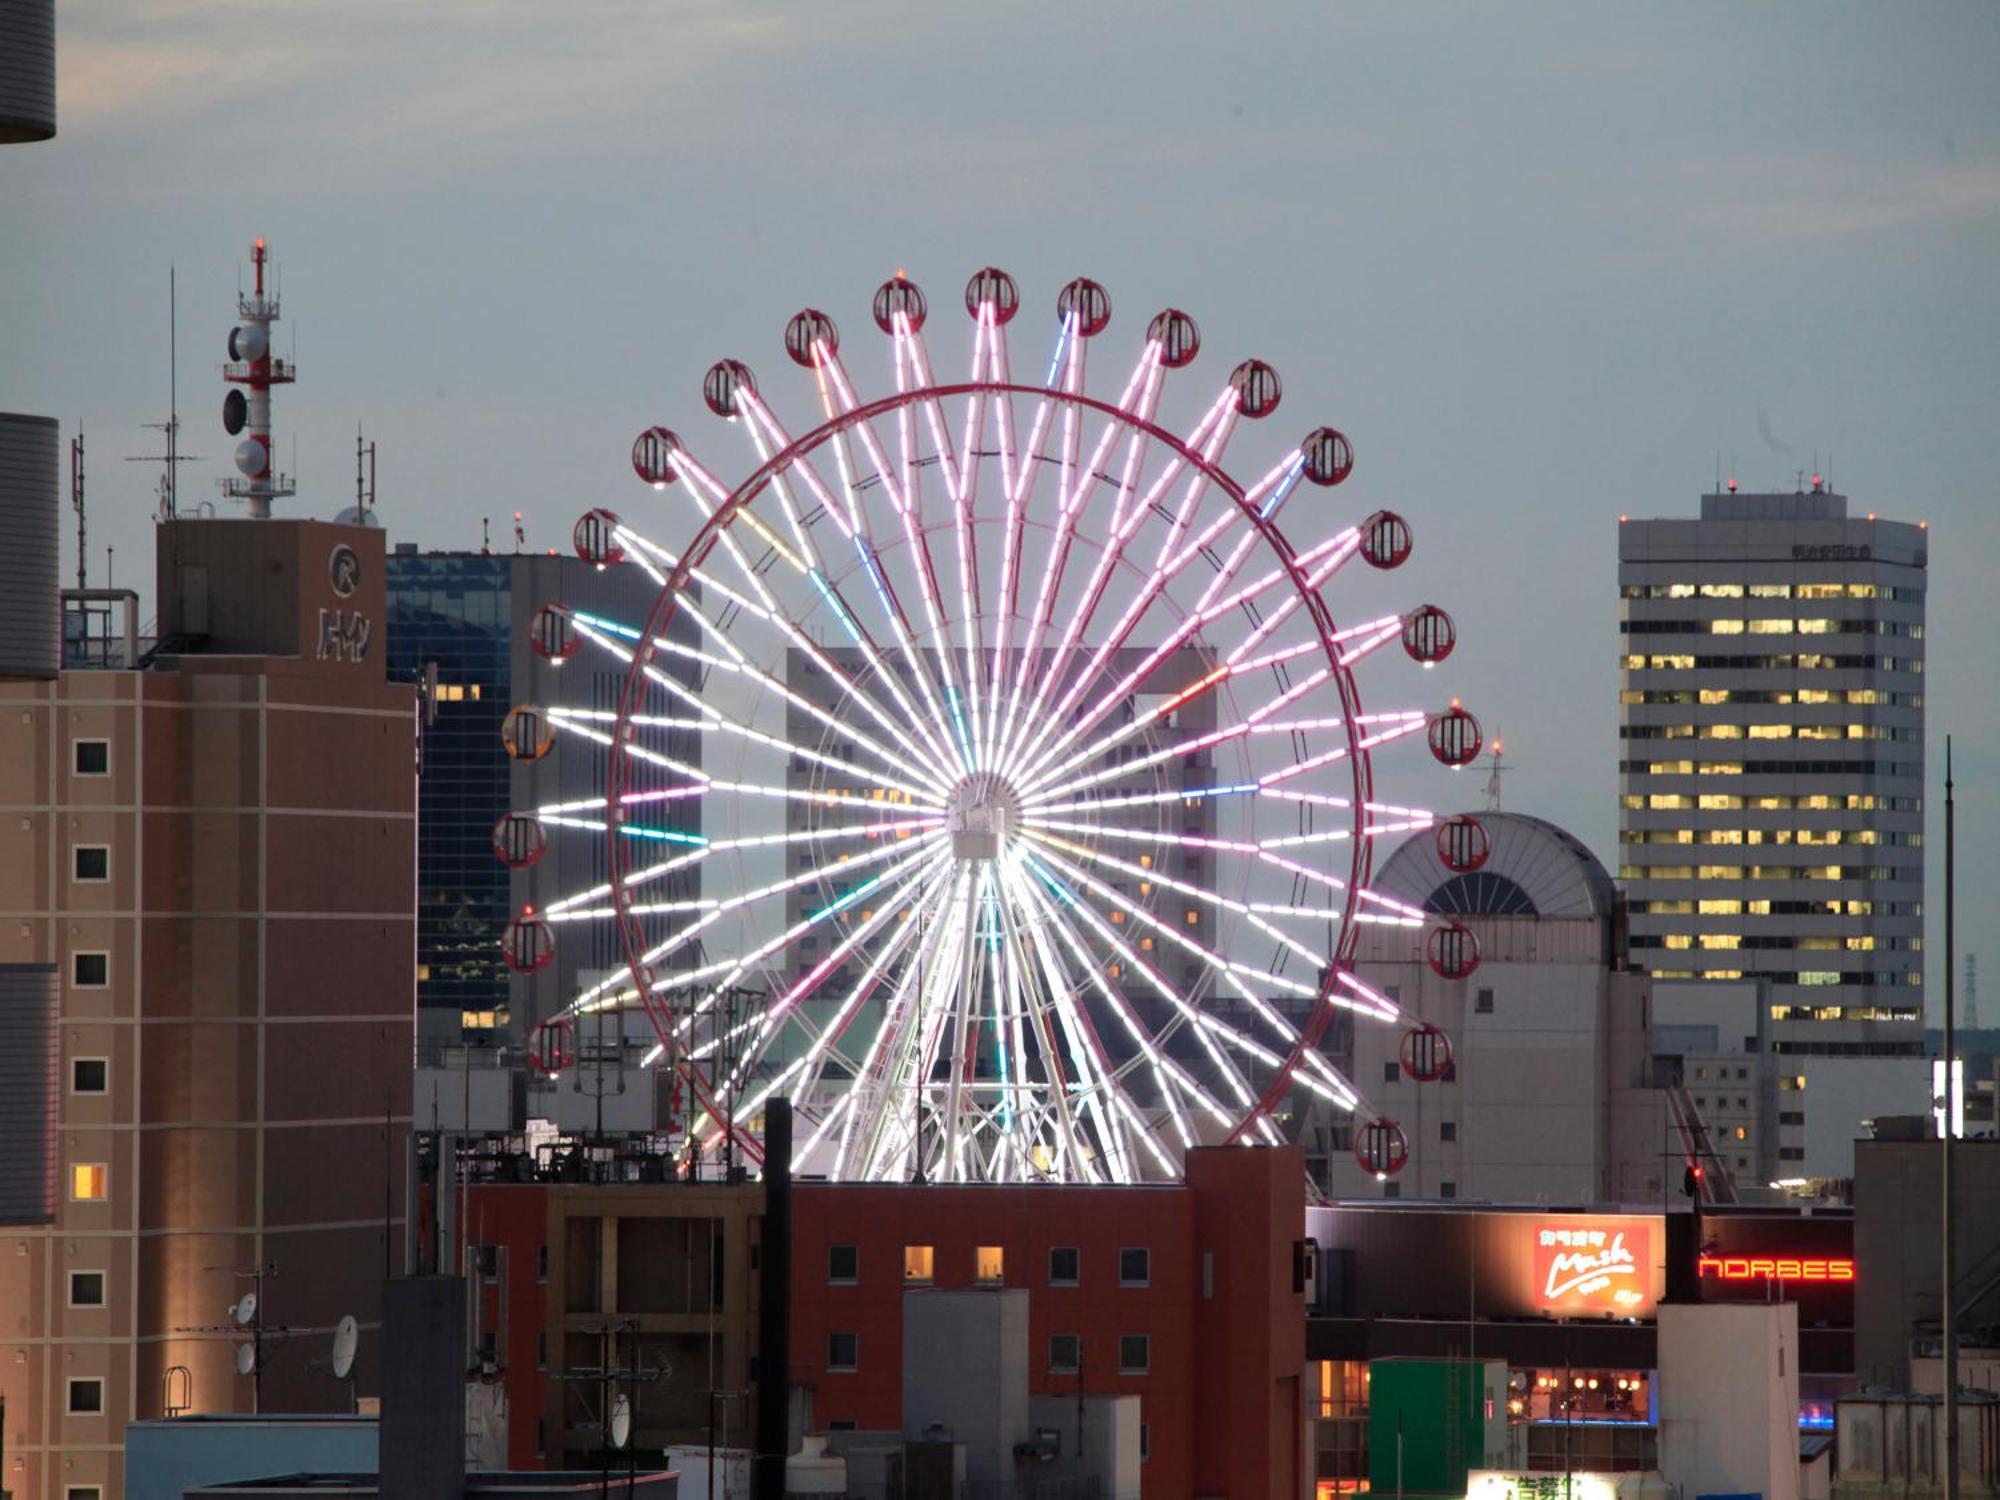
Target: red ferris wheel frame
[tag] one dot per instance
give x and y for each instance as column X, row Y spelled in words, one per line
column 692, row 557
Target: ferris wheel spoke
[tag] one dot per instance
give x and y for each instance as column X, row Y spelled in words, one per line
column 766, row 609
column 846, row 1163
column 736, row 663
column 825, row 579
column 1056, row 852
column 1181, row 632
column 1076, row 486
column 1119, row 1124
column 1071, row 919
column 700, row 783
column 678, row 939
column 1037, row 726
column 917, row 889
column 717, row 724
column 839, row 399
column 1056, row 1008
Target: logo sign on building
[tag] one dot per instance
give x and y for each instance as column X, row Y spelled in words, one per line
column 343, row 635
column 1493, row 1484
column 1774, row 1268
column 1593, row 1265
column 343, row 570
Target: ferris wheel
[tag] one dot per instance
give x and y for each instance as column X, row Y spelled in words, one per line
column 990, row 776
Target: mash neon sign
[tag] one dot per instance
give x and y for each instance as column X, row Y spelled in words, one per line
column 1774, row 1268
column 1589, row 1265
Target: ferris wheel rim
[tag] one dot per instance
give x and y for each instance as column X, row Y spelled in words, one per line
column 690, row 559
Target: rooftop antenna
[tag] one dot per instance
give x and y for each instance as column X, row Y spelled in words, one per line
column 173, row 458
column 485, row 536
column 252, row 372
column 1495, row 770
column 364, row 495
column 76, row 501
column 520, row 536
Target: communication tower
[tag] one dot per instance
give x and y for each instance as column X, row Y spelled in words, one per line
column 246, row 411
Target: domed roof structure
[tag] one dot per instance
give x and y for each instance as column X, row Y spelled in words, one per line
column 1535, row 869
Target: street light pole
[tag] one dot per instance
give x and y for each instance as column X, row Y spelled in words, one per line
column 1949, row 1292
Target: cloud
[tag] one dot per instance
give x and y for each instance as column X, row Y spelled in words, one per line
column 385, row 68
column 1782, row 202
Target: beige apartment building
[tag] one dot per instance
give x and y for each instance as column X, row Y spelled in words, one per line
column 209, row 830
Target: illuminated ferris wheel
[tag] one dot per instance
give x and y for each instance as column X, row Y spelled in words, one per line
column 990, row 776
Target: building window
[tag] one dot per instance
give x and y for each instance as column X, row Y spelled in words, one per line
column 541, row 1262
column 843, row 1351
column 1145, row 1442
column 93, row 757
column 1447, row 1130
column 89, row 1075
column 1065, row 1354
column 1391, row 1071
column 83, row 1492
column 1482, row 1002
column 1135, row 1266
column 541, row 1349
column 1447, row 1190
column 91, row 862
column 1392, row 1189
column 541, row 1436
column 86, row 1396
column 88, row 1182
column 86, row 1289
column 843, row 1264
column 1063, row 1265
column 1135, row 1354
column 90, row 971
column 917, row 1262
column 989, row 1265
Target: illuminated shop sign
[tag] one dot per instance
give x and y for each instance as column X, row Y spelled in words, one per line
column 1489, row 1484
column 1586, row 1266
column 1774, row 1268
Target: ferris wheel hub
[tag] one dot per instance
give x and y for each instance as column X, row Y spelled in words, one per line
column 982, row 810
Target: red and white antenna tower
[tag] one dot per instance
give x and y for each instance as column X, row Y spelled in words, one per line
column 253, row 370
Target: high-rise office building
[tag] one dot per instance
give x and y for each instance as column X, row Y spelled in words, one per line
column 1772, row 768
column 469, row 618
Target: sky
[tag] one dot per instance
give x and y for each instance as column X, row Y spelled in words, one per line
column 1542, row 265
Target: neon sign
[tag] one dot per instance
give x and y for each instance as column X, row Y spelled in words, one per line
column 1585, row 1266
column 1774, row 1268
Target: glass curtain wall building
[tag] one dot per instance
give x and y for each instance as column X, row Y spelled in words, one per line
column 452, row 611
column 469, row 616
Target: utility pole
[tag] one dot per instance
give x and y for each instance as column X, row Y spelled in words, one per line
column 1948, row 1293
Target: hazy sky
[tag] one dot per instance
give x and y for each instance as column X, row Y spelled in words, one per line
column 1544, row 264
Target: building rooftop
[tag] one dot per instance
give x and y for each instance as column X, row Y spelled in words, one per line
column 1535, row 870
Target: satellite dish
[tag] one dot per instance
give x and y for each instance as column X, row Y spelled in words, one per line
column 346, row 1335
column 621, row 1421
column 245, row 1308
column 235, row 411
column 246, row 1358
